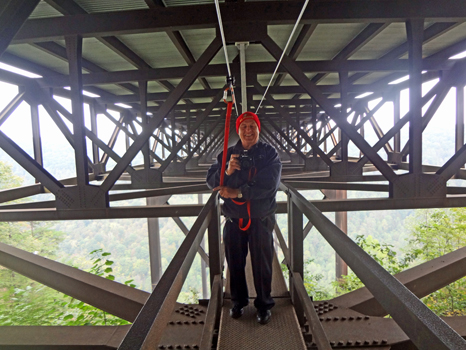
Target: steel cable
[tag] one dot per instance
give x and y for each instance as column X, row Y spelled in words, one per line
column 283, row 53
column 229, row 79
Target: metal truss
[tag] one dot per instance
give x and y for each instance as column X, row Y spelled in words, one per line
column 178, row 128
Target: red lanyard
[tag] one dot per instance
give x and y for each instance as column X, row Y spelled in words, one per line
column 225, row 142
column 248, row 203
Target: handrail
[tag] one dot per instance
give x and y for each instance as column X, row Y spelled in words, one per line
column 213, row 314
column 318, row 333
column 283, row 246
column 148, row 328
column 425, row 329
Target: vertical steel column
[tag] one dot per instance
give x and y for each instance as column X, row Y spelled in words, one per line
column 95, row 148
column 155, row 253
column 205, row 289
column 415, row 33
column 344, row 108
column 361, row 132
column 314, row 124
column 36, row 139
column 341, row 221
column 74, row 45
column 173, row 135
column 188, row 126
column 396, row 119
column 459, row 132
column 144, row 122
column 295, row 242
column 298, row 138
column 242, row 59
column 215, row 256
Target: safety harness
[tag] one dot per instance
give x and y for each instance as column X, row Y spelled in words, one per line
column 252, row 173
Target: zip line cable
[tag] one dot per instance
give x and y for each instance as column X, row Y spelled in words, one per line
column 283, row 53
column 230, row 78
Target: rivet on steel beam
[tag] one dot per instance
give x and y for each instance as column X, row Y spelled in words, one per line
column 349, row 342
column 358, row 342
column 321, row 319
column 384, row 341
column 343, row 318
column 351, row 318
column 332, row 343
column 366, row 342
column 187, row 322
column 366, row 317
column 328, row 319
column 341, row 342
column 325, row 302
column 375, row 342
column 187, row 346
column 201, row 322
column 161, row 346
column 171, row 322
column 179, row 347
column 195, row 346
column 336, row 318
column 170, row 347
column 194, row 322
column 179, row 322
column 359, row 318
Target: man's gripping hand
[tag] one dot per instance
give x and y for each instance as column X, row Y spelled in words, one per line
column 233, row 165
column 227, row 192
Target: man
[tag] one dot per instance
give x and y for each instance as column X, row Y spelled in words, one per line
column 251, row 182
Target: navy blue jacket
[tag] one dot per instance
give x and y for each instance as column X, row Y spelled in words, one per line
column 261, row 190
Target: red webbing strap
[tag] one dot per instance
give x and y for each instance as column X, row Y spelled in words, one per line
column 225, row 142
column 248, row 204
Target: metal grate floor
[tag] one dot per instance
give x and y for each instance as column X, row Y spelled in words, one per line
column 281, row 333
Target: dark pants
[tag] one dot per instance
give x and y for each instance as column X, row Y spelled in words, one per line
column 259, row 237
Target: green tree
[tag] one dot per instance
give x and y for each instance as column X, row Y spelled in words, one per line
column 78, row 313
column 23, row 301
column 384, row 254
column 436, row 233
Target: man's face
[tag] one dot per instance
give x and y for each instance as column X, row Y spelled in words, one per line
column 248, row 133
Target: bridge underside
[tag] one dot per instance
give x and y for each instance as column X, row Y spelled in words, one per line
column 150, row 76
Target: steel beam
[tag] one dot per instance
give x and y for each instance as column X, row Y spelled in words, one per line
column 61, row 337
column 148, row 328
column 421, row 280
column 339, row 119
column 113, row 297
column 13, row 14
column 191, row 17
column 421, row 325
column 415, row 29
column 175, row 96
column 29, row 164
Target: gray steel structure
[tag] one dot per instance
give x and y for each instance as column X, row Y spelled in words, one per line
column 164, row 59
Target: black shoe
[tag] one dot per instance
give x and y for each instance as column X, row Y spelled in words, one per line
column 236, row 311
column 263, row 316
